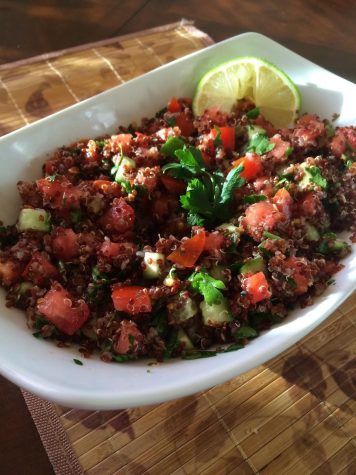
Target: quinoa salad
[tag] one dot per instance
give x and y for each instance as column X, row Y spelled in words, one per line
column 181, row 236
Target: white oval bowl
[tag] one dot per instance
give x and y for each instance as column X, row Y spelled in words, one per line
column 42, row 368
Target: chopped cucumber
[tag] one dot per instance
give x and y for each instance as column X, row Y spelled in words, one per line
column 184, row 339
column 153, row 262
column 218, row 273
column 216, row 314
column 230, row 230
column 253, row 130
column 125, row 164
column 311, row 233
column 252, row 266
column 182, row 307
column 34, row 219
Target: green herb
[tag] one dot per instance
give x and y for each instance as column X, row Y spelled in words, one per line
column 131, row 340
column 171, row 145
column 282, row 182
column 171, row 121
column 288, row 151
column 191, row 164
column 100, row 143
column 217, row 140
column 263, row 250
column 291, row 282
column 78, row 362
column 209, row 199
column 330, row 131
column 124, row 358
column 52, row 178
column 233, row 347
column 331, row 244
column 207, row 286
column 253, row 113
column 62, row 267
column 194, row 355
column 171, row 345
column 254, row 198
column 316, row 176
column 37, row 335
column 39, row 323
column 263, row 320
column 76, row 216
column 335, row 116
column 269, row 235
column 245, row 332
column 259, row 143
column 348, row 160
column 99, row 282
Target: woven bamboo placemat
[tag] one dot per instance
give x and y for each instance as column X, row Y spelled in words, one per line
column 293, row 415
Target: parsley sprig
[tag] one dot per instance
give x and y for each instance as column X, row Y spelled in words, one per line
column 209, row 287
column 316, row 177
column 191, row 163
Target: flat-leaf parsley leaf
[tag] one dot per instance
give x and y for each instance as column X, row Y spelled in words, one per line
column 208, row 287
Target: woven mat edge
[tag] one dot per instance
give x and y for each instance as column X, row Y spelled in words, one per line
column 188, row 24
column 53, row 436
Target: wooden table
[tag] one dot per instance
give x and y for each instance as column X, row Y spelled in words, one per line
column 321, row 31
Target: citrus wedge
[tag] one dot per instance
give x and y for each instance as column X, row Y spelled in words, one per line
column 247, row 77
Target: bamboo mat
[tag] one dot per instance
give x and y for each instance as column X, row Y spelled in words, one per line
column 293, row 415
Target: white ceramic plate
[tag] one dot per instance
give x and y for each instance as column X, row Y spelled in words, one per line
column 41, row 367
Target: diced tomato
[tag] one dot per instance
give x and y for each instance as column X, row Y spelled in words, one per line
column 185, row 123
column 227, row 137
column 308, row 128
column 344, row 137
column 63, row 310
column 173, row 185
column 298, row 274
column 50, row 167
column 257, row 287
column 65, row 244
column 280, row 147
column 120, row 217
column 108, row 187
column 111, row 249
column 132, row 300
column 261, row 217
column 58, row 192
column 120, row 142
column 252, row 165
column 283, row 200
column 129, row 338
column 10, row 272
column 174, row 105
column 213, row 241
column 189, row 251
column 40, row 269
column 309, row 204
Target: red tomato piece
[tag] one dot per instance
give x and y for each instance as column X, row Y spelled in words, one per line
column 308, row 128
column 309, row 204
column 120, row 217
column 257, row 287
column 10, row 272
column 174, row 105
column 298, row 274
column 189, row 251
column 261, row 217
column 65, row 244
column 114, row 249
column 280, row 147
column 283, row 200
column 213, row 241
column 129, row 338
column 185, row 124
column 173, row 185
column 40, row 269
column 132, row 300
column 63, row 310
column 108, row 187
column 120, row 142
column 59, row 192
column 227, row 137
column 252, row 165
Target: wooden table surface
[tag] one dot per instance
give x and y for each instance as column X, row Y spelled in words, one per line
column 320, row 31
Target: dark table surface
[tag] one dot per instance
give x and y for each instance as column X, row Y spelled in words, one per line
column 322, row 31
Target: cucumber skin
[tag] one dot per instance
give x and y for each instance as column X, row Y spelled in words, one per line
column 253, row 266
column 215, row 315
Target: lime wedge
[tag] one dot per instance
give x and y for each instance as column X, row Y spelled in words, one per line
column 247, row 77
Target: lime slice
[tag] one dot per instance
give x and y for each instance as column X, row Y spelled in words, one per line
column 246, row 77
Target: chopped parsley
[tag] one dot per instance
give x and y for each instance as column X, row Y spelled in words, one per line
column 316, row 177
column 245, row 332
column 250, row 199
column 269, row 235
column 124, row 358
column 52, row 178
column 191, row 163
column 172, row 144
column 253, row 113
column 259, row 143
column 208, row 287
column 234, row 347
column 78, row 362
column 171, row 121
column 196, row 354
column 217, row 140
